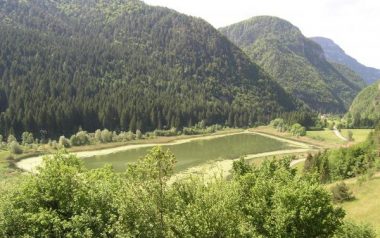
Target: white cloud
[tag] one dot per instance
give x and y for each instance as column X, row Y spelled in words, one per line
column 353, row 24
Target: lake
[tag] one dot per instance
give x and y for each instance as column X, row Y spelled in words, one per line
column 196, row 152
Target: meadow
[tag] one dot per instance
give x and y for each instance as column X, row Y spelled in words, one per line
column 365, row 206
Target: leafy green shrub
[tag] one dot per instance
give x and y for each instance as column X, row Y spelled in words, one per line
column 350, row 136
column 279, row 125
column 343, row 163
column 15, row 148
column 126, row 136
column 352, row 230
column 64, row 142
column 341, row 192
column 27, row 138
column 298, row 130
column 66, row 199
column 11, row 138
column 106, row 136
column 81, row 138
column 197, row 130
column 171, row 132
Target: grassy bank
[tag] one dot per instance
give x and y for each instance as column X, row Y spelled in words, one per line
column 365, row 206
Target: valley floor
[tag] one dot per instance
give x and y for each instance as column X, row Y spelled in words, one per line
column 361, row 209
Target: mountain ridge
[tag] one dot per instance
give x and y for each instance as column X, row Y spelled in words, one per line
column 336, row 54
column 297, row 63
column 65, row 67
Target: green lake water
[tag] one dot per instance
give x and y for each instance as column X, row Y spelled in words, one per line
column 196, row 152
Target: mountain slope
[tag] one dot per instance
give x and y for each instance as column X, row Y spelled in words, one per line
column 121, row 64
column 365, row 109
column 349, row 74
column 296, row 62
column 336, row 54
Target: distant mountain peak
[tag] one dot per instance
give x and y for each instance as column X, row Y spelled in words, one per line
column 335, row 53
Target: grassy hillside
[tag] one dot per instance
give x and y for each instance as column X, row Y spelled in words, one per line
column 366, row 201
column 336, row 54
column 123, row 65
column 297, row 63
column 365, row 109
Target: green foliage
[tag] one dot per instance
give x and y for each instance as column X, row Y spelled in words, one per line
column 298, row 130
column 343, row 163
column 15, row 148
column 352, row 230
column 11, row 138
column 240, row 167
column 64, row 142
column 123, row 65
column 127, row 136
column 106, row 136
column 295, row 62
column 201, row 128
column 350, row 136
column 65, row 200
column 341, row 192
column 365, row 109
column 62, row 200
column 27, row 138
column 350, row 75
column 279, row 125
column 144, row 212
column 318, row 164
column 79, row 139
column 279, row 203
column 172, row 132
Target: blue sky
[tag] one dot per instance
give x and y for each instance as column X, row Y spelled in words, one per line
column 353, row 24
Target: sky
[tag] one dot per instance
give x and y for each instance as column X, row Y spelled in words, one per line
column 353, row 24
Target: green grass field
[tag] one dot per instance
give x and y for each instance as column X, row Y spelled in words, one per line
column 366, row 206
column 359, row 135
column 328, row 136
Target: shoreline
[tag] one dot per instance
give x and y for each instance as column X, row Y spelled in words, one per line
column 30, row 164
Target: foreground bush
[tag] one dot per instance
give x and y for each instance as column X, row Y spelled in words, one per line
column 352, row 230
column 66, row 200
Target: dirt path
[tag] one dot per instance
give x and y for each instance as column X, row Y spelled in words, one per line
column 297, row 161
column 338, row 134
column 30, row 164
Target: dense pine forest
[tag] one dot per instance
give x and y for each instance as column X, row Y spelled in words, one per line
column 297, row 63
column 123, row 65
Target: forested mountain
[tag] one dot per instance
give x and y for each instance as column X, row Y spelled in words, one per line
column 365, row 109
column 122, row 64
column 336, row 54
column 349, row 74
column 296, row 62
